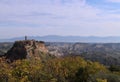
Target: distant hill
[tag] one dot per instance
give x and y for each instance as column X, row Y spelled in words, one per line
column 4, row 47
column 55, row 38
column 105, row 53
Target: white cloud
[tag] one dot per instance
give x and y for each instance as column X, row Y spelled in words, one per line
column 74, row 11
column 56, row 17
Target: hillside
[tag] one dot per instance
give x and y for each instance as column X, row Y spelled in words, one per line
column 34, row 61
column 4, row 47
column 66, row 69
column 105, row 53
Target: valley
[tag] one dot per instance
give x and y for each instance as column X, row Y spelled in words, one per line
column 38, row 61
column 105, row 53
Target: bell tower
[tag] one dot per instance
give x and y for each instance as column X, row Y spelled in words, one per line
column 25, row 37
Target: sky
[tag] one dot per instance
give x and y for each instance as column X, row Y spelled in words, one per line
column 59, row 17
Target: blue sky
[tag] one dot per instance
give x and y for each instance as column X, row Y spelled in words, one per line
column 59, row 17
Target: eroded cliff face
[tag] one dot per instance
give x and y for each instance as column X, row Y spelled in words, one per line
column 26, row 49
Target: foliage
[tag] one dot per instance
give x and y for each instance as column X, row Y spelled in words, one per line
column 67, row 69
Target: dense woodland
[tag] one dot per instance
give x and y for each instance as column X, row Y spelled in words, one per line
column 67, row 69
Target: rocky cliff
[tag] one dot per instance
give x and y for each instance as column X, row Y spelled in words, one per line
column 26, row 49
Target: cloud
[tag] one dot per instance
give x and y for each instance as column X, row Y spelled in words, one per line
column 60, row 17
column 47, row 12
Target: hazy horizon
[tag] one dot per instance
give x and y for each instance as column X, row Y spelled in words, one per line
column 59, row 17
column 59, row 36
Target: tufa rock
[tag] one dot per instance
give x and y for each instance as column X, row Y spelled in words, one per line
column 26, row 49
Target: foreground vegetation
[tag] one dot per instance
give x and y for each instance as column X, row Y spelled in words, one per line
column 67, row 69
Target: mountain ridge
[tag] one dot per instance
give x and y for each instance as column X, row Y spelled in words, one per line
column 57, row 38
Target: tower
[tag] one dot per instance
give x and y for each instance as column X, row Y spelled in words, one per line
column 25, row 37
